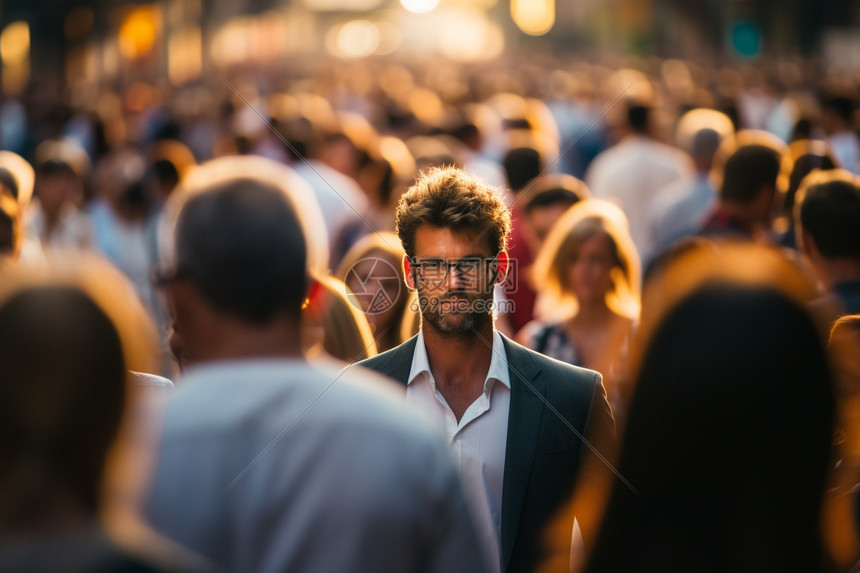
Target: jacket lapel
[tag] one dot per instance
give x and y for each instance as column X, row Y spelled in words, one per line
column 524, row 420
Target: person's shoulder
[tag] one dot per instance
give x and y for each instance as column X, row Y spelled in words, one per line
column 558, row 371
column 365, row 398
column 393, row 357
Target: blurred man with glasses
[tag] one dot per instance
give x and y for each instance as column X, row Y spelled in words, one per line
column 516, row 421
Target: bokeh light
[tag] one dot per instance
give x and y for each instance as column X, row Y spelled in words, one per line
column 231, row 43
column 138, row 32
column 184, row 54
column 353, row 40
column 469, row 36
column 533, row 17
column 343, row 5
column 420, row 6
column 746, row 39
column 15, row 43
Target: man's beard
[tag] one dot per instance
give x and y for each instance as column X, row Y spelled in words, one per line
column 462, row 323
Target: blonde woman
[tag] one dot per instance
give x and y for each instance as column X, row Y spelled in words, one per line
column 587, row 270
column 334, row 325
column 373, row 272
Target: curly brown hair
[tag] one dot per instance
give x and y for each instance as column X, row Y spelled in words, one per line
column 449, row 197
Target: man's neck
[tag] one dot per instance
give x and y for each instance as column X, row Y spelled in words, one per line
column 598, row 312
column 742, row 216
column 834, row 271
column 459, row 361
column 237, row 340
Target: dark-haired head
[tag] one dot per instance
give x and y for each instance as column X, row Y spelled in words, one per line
column 241, row 245
column 522, row 164
column 638, row 118
column 62, row 395
column 727, row 441
column 828, row 211
column 748, row 171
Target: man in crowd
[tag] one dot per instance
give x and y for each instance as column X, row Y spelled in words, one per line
column 678, row 210
column 829, row 218
column 744, row 207
column 268, row 463
column 634, row 172
column 516, row 421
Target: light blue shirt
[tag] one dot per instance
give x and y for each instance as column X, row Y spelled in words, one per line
column 269, row 466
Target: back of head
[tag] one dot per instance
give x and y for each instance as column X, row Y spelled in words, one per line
column 241, row 243
column 521, row 164
column 700, row 132
column 62, row 396
column 829, row 210
column 747, row 171
column 638, row 118
column 803, row 158
column 555, row 189
column 839, row 106
column 727, row 440
column 705, row 144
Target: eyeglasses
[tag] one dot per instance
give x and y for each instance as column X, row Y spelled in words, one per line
column 470, row 269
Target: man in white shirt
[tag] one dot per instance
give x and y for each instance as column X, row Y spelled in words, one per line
column 678, row 210
column 836, row 119
column 633, row 173
column 269, row 463
column 516, row 421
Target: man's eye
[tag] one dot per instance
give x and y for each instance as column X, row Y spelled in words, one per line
column 432, row 270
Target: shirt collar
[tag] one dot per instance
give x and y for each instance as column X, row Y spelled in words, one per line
column 498, row 362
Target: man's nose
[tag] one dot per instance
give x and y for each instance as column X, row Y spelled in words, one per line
column 454, row 281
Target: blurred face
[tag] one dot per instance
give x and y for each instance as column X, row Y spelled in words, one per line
column 376, row 280
column 589, row 271
column 539, row 221
column 53, row 190
column 458, row 305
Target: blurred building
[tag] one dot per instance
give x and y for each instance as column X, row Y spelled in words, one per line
column 93, row 41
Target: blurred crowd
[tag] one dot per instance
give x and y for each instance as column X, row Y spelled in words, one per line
column 689, row 230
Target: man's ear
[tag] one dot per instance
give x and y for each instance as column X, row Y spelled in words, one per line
column 408, row 277
column 806, row 243
column 182, row 303
column 502, row 265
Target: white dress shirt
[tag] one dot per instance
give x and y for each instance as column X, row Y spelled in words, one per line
column 477, row 442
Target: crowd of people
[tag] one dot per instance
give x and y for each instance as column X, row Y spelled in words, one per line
column 556, row 316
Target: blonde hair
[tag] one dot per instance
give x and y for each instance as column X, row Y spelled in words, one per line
column 346, row 333
column 387, row 243
column 583, row 220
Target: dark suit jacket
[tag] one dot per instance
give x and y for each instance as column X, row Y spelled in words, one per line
column 549, row 400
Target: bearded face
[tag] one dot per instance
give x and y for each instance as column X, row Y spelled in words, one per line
column 454, row 274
